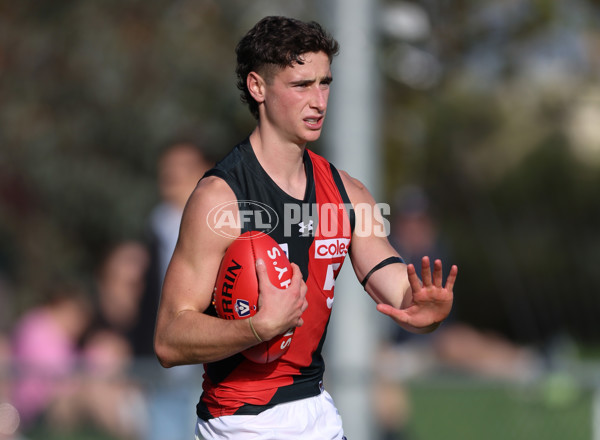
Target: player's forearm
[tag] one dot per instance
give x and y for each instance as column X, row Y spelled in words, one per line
column 195, row 338
column 392, row 289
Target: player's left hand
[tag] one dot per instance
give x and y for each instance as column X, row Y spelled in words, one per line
column 431, row 301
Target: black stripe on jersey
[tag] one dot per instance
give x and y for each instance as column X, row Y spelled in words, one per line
column 338, row 181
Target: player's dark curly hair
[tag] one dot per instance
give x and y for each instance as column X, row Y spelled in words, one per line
column 278, row 42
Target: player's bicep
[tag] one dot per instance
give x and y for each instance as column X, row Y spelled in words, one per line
column 192, row 272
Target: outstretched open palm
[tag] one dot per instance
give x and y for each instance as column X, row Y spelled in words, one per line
column 431, row 300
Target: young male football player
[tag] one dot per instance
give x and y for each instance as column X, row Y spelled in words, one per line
column 285, row 77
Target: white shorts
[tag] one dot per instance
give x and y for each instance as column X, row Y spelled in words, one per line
column 314, row 418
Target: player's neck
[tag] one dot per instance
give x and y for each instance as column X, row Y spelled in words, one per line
column 283, row 162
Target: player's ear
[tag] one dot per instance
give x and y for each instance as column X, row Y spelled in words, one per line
column 256, row 86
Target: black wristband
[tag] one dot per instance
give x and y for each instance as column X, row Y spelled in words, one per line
column 390, row 260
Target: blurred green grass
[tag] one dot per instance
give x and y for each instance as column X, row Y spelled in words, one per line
column 554, row 409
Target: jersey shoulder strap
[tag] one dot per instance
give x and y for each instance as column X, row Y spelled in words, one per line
column 325, row 173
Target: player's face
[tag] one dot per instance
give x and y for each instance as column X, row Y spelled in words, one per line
column 296, row 99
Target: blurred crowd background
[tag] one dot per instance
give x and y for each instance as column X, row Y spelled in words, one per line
column 110, row 112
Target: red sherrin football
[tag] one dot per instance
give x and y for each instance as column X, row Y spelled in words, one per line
column 236, row 290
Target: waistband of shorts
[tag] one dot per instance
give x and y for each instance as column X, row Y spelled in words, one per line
column 296, row 391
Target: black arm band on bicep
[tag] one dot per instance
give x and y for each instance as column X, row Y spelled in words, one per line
column 390, row 260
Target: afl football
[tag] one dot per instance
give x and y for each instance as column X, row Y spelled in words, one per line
column 236, row 290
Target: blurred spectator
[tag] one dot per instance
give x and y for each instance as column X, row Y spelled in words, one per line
column 113, row 402
column 454, row 345
column 172, row 397
column 180, row 166
column 5, row 347
column 120, row 283
column 5, row 367
column 414, row 234
column 9, row 416
column 45, row 354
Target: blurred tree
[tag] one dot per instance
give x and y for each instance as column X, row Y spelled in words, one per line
column 487, row 111
column 90, row 91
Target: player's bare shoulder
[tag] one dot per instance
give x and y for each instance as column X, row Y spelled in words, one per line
column 210, row 197
column 209, row 192
column 357, row 191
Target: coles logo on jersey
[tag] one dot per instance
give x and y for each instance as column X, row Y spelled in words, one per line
column 331, row 248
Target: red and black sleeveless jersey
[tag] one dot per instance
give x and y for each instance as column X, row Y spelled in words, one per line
column 315, row 233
